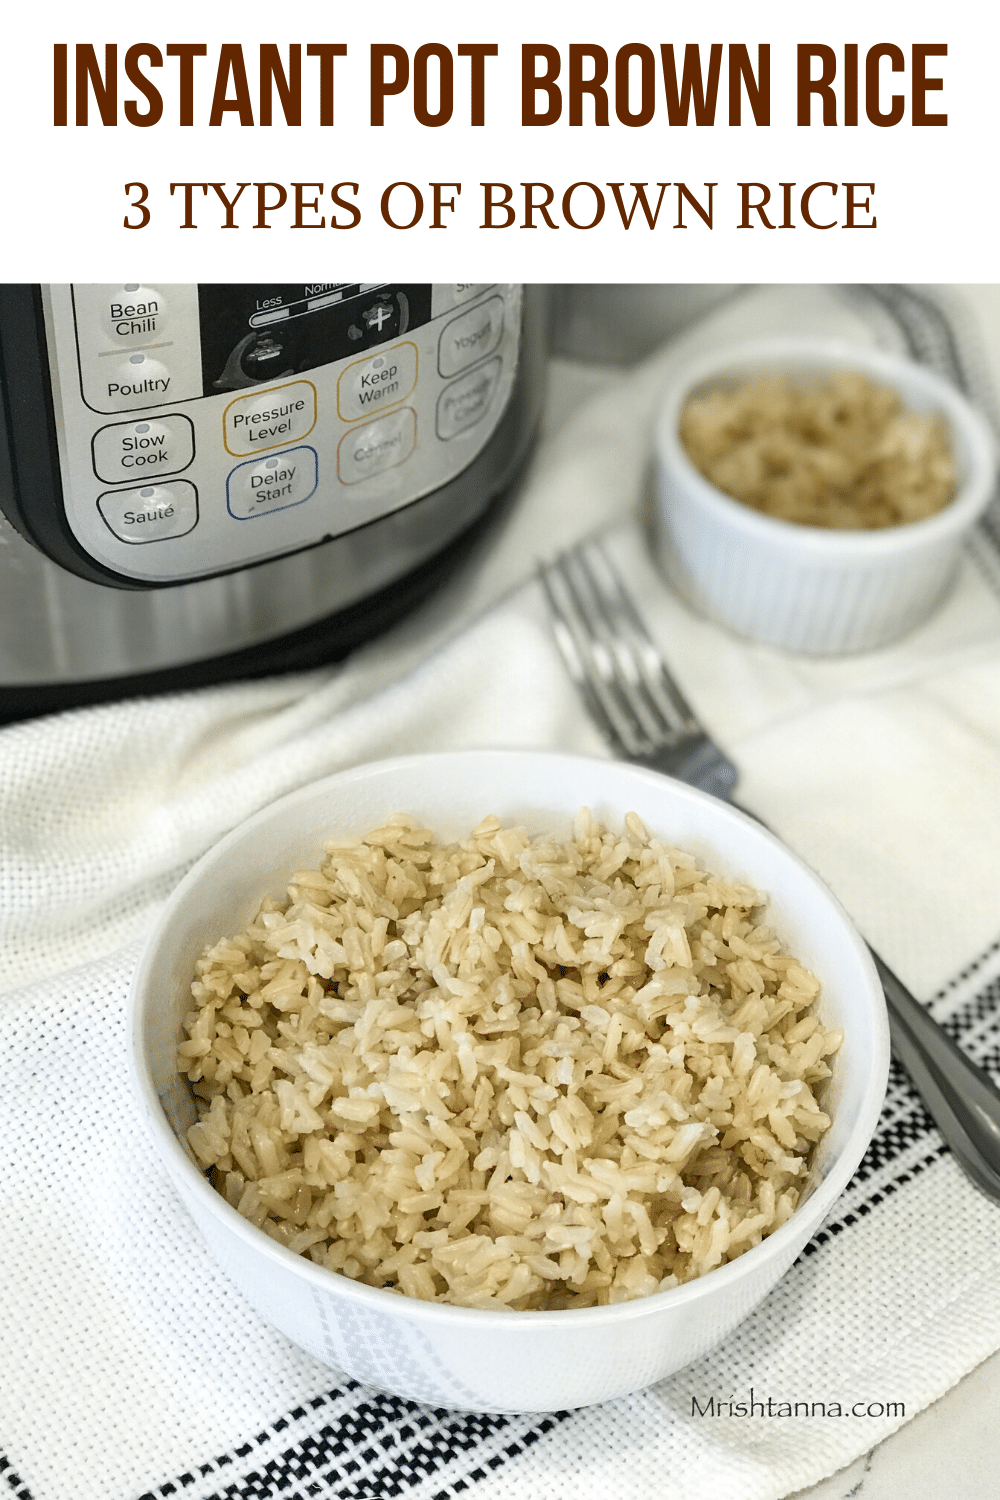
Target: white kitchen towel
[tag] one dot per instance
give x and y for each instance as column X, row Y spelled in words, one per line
column 130, row 1370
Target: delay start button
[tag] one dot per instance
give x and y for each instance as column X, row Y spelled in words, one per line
column 143, row 450
column 274, row 418
column 151, row 513
column 270, row 484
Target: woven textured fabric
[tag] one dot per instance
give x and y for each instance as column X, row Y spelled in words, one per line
column 129, row 1369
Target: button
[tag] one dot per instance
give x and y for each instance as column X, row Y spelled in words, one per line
column 143, row 450
column 462, row 403
column 269, row 419
column 464, row 291
column 133, row 314
column 152, row 513
column 140, row 380
column 377, row 446
column 275, row 483
column 470, row 337
column 381, row 380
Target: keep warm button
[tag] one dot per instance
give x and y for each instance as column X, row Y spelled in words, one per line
column 275, row 483
column 370, row 385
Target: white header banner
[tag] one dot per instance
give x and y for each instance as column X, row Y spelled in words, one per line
column 587, row 143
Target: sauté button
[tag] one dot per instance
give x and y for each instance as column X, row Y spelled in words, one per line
column 151, row 513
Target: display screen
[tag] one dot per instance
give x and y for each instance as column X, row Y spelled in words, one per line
column 256, row 334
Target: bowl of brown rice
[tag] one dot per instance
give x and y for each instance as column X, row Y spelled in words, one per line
column 505, row 1080
column 814, row 494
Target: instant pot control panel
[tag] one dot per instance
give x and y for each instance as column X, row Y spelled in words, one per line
column 195, row 430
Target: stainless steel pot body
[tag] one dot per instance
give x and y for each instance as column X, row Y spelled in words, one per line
column 471, row 377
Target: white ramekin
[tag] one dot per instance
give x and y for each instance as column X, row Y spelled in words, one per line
column 808, row 588
column 474, row 1358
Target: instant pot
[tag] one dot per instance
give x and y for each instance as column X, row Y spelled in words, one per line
column 209, row 482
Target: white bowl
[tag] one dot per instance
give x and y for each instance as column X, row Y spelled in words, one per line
column 809, row 588
column 471, row 1358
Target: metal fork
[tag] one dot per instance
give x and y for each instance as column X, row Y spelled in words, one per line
column 642, row 713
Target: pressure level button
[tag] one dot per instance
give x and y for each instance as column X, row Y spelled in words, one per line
column 143, row 450
column 272, row 418
column 151, row 512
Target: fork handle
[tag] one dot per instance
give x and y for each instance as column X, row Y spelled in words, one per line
column 960, row 1098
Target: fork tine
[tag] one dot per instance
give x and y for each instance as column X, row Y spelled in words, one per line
column 626, row 656
column 572, row 644
column 621, row 675
column 659, row 680
column 636, row 731
column 588, row 660
column 613, row 654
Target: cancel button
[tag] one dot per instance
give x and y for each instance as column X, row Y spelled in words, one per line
column 151, row 513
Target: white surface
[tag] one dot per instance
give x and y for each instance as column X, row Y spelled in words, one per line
column 950, row 1451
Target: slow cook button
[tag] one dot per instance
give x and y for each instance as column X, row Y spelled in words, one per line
column 274, row 418
column 275, row 483
column 462, row 403
column 140, row 380
column 153, row 513
column 470, row 337
column 143, row 450
column 379, row 381
column 377, row 446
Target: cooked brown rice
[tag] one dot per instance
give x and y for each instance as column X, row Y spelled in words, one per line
column 508, row 1072
column 844, row 453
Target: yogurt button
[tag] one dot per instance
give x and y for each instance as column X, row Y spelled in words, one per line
column 469, row 338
